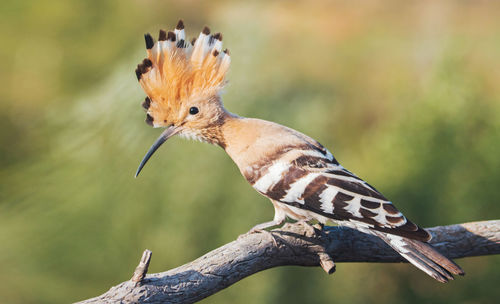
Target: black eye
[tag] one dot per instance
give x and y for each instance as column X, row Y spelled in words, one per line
column 193, row 110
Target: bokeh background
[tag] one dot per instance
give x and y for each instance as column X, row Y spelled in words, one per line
column 405, row 93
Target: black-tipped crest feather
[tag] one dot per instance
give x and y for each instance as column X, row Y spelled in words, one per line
column 218, row 36
column 146, row 103
column 180, row 25
column 171, row 36
column 162, row 36
column 149, row 41
column 149, row 119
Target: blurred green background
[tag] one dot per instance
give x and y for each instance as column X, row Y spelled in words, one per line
column 405, row 93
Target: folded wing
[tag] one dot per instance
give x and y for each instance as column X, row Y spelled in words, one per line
column 316, row 182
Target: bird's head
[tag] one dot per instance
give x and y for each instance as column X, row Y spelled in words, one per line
column 183, row 82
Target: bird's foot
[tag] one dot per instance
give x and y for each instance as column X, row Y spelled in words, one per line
column 313, row 229
column 261, row 228
column 266, row 232
column 319, row 226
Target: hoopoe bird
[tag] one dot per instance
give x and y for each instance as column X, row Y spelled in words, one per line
column 183, row 83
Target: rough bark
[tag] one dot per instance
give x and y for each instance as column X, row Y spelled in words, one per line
column 293, row 244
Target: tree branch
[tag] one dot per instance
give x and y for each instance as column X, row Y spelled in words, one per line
column 293, row 244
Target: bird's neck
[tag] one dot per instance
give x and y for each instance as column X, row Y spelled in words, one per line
column 249, row 141
column 237, row 133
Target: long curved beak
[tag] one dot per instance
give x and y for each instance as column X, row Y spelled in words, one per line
column 169, row 132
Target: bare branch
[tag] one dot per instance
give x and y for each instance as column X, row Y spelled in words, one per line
column 293, row 244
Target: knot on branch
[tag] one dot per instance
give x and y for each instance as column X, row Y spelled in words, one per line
column 142, row 269
column 317, row 241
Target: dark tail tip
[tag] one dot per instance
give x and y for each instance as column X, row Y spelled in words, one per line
column 432, row 254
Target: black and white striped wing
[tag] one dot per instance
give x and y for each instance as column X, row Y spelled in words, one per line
column 316, row 182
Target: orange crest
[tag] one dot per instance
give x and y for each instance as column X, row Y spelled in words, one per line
column 177, row 71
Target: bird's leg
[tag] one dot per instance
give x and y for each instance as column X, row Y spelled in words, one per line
column 279, row 219
column 262, row 227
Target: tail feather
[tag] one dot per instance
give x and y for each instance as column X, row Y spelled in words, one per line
column 436, row 257
column 423, row 256
column 428, row 266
